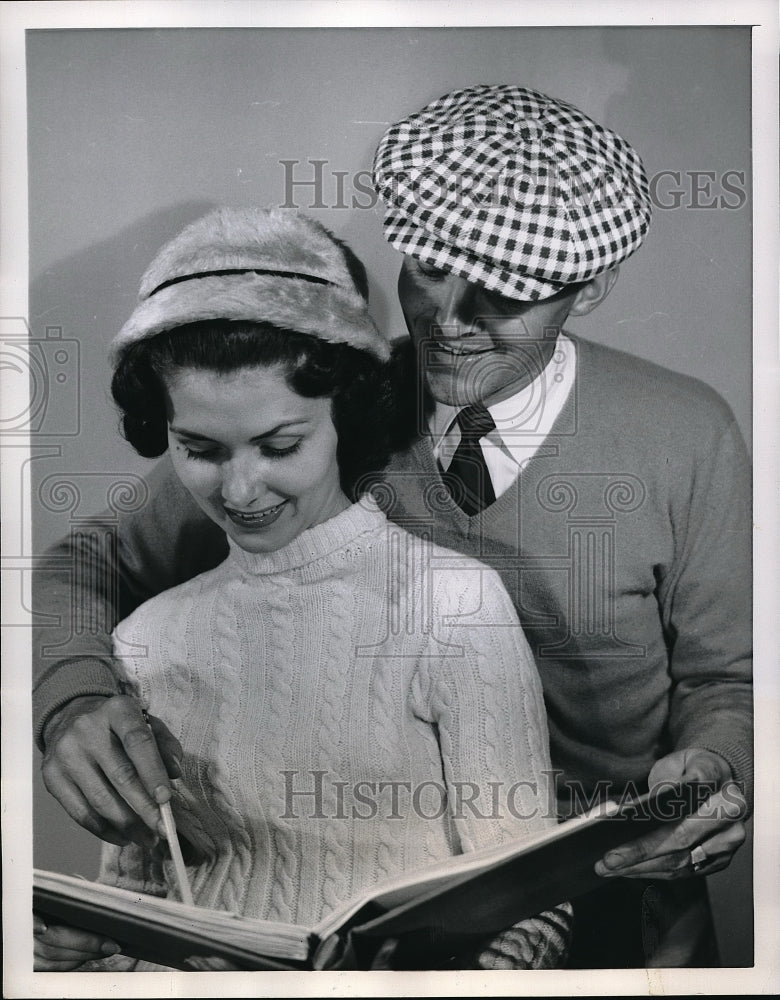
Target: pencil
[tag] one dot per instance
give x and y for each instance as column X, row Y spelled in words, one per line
column 173, row 841
column 178, row 861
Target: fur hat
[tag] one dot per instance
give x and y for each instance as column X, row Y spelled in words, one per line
column 254, row 264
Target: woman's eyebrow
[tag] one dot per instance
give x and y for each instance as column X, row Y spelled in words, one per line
column 285, row 425
column 183, row 432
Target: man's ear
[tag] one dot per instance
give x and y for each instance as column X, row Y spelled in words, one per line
column 596, row 290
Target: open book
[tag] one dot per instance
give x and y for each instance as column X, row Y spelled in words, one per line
column 434, row 914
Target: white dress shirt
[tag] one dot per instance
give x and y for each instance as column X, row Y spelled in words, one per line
column 522, row 421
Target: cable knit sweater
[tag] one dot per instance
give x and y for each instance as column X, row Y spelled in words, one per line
column 342, row 704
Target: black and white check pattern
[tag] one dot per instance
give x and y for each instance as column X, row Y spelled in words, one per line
column 511, row 189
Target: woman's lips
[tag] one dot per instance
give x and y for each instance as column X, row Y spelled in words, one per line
column 256, row 519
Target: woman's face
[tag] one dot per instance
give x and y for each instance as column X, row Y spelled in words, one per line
column 257, row 458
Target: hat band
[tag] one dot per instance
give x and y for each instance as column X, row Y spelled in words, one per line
column 315, row 279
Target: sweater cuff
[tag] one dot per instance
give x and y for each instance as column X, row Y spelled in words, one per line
column 540, row 942
column 739, row 757
column 68, row 680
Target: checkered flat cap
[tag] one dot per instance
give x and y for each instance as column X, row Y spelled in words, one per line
column 511, row 189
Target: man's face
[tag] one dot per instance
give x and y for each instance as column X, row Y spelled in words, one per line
column 474, row 345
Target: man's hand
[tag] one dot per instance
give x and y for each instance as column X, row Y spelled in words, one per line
column 61, row 949
column 716, row 828
column 108, row 770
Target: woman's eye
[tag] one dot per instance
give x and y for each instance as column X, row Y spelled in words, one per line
column 274, row 451
column 204, row 455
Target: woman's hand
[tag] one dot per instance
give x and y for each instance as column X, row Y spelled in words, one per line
column 713, row 832
column 62, row 949
column 108, row 770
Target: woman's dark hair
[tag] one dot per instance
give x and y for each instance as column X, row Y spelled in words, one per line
column 365, row 408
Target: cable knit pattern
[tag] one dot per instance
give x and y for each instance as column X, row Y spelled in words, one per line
column 333, row 703
column 333, row 700
column 281, row 655
column 230, row 668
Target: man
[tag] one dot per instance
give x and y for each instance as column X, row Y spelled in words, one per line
column 613, row 497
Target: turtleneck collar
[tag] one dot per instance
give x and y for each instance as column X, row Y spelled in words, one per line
column 317, row 542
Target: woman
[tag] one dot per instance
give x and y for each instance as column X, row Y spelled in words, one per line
column 343, row 690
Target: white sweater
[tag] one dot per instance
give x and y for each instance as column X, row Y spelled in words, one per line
column 357, row 704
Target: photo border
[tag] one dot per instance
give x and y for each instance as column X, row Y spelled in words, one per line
column 15, row 18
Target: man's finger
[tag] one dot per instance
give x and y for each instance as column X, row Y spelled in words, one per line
column 121, row 793
column 93, row 754
column 137, row 740
column 103, row 764
column 108, row 817
column 689, row 766
column 670, row 839
column 729, row 804
column 72, row 800
column 723, row 844
column 124, row 804
column 706, row 767
column 668, row 849
column 715, row 854
column 672, row 867
column 169, row 747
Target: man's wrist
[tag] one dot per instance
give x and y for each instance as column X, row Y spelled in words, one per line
column 64, row 681
column 63, row 714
